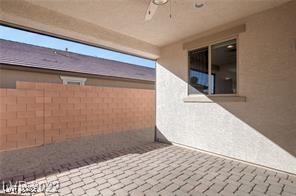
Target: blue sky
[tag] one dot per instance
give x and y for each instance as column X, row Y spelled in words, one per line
column 51, row 42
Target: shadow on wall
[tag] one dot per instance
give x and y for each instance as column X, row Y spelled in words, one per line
column 261, row 130
column 270, row 107
column 268, row 119
column 257, row 131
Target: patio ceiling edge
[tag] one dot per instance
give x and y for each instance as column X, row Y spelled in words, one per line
column 27, row 16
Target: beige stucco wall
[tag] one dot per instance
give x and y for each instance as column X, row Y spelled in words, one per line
column 10, row 76
column 261, row 130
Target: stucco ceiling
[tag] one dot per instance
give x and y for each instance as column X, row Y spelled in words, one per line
column 127, row 16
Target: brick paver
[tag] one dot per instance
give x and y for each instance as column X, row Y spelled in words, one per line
column 160, row 169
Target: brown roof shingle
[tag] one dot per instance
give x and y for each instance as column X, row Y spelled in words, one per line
column 15, row 53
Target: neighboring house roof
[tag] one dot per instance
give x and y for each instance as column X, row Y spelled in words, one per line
column 15, row 53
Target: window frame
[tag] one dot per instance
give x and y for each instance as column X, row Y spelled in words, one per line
column 209, row 46
column 67, row 79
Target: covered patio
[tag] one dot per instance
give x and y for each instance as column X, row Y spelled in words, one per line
column 217, row 118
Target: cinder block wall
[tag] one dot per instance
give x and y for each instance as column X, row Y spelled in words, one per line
column 41, row 113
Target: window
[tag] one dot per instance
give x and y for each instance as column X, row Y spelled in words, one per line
column 212, row 69
column 73, row 80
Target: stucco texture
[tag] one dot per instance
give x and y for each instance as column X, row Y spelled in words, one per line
column 261, row 130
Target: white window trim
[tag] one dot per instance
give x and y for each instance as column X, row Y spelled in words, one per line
column 67, row 79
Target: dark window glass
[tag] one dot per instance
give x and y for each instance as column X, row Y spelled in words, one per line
column 198, row 71
column 223, row 67
column 74, row 83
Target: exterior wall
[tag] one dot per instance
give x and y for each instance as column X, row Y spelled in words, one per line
column 41, row 113
column 9, row 77
column 261, row 130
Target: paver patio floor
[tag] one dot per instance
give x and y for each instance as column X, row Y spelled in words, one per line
column 160, row 169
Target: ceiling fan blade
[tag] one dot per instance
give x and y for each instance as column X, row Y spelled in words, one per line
column 150, row 11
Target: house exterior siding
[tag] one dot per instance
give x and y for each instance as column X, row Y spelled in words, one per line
column 261, row 130
column 10, row 75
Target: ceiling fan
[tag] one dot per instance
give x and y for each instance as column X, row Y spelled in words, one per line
column 153, row 5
